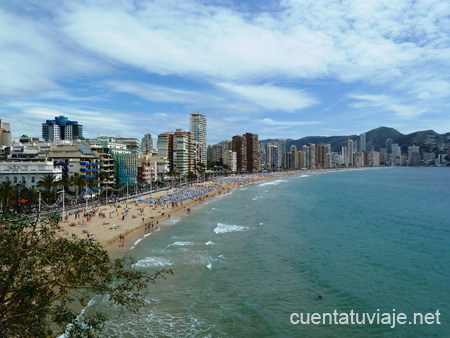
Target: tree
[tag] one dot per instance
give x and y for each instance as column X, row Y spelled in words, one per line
column 44, row 273
column 65, row 183
column 48, row 182
column 191, row 176
column 31, row 195
column 78, row 181
column 8, row 192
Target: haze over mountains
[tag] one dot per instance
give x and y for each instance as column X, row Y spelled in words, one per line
column 427, row 139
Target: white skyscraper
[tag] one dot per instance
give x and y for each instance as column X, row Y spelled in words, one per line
column 198, row 129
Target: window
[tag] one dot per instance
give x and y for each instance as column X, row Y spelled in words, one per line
column 7, row 178
column 32, row 179
column 23, row 179
column 15, row 179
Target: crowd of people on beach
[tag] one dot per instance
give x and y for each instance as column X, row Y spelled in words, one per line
column 159, row 204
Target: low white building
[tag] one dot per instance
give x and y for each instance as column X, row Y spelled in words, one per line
column 27, row 173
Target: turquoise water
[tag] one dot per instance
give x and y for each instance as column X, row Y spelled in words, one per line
column 365, row 240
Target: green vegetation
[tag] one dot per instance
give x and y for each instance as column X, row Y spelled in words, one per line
column 45, row 276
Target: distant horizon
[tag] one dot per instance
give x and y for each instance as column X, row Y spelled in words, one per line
column 280, row 68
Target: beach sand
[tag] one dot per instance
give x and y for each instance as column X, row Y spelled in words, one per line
column 115, row 221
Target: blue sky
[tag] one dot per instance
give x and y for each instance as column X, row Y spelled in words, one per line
column 281, row 69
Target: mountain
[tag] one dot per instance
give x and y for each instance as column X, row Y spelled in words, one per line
column 428, row 140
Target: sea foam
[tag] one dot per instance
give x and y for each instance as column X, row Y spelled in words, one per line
column 276, row 182
column 180, row 244
column 152, row 261
column 224, row 228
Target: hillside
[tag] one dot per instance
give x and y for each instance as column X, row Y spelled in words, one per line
column 429, row 140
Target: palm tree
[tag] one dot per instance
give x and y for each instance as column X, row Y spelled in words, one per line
column 102, row 176
column 8, row 191
column 31, row 195
column 48, row 182
column 78, row 181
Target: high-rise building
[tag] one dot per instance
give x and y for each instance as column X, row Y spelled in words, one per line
column 227, row 145
column 312, row 156
column 246, row 148
column 272, row 156
column 146, row 144
column 320, row 156
column 239, row 146
column 362, row 142
column 198, row 129
column 306, row 156
column 413, row 155
column 229, row 159
column 198, row 153
column 301, row 159
column 178, row 148
column 350, row 152
column 282, row 151
column 294, row 157
column 61, row 129
column 217, row 153
column 163, row 144
column 183, row 152
column 389, row 143
column 252, row 152
column 262, row 154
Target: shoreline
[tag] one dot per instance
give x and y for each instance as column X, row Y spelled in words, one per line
column 105, row 223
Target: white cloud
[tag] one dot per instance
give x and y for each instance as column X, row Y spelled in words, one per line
column 249, row 62
column 154, row 93
column 387, row 103
column 271, row 97
column 33, row 57
column 288, row 123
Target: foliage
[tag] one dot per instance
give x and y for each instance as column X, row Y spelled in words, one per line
column 44, row 274
column 191, row 176
column 8, row 192
column 48, row 182
column 31, row 195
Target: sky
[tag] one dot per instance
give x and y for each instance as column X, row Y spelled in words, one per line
column 279, row 69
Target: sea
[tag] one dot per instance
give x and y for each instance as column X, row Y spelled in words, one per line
column 251, row 262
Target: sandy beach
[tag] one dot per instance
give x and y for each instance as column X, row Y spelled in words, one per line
column 119, row 225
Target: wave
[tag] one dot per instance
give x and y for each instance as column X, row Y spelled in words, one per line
column 180, row 244
column 152, row 261
column 209, row 243
column 136, row 243
column 224, row 228
column 276, row 182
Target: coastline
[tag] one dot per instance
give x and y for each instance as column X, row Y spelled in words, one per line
column 105, row 223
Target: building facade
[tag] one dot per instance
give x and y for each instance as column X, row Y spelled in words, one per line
column 61, row 128
column 198, row 128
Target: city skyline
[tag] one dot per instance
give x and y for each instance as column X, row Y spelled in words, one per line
column 278, row 69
